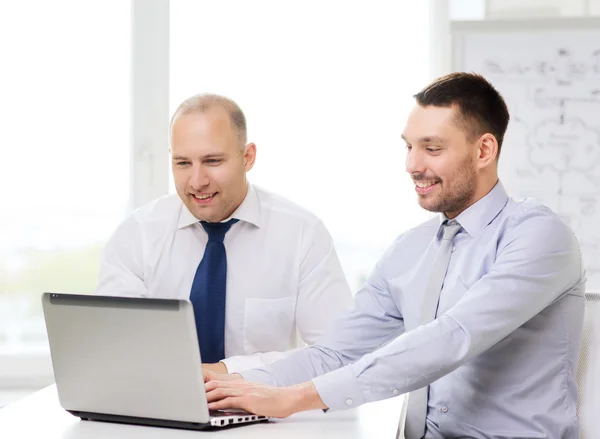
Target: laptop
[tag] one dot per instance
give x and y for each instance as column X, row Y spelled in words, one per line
column 130, row 360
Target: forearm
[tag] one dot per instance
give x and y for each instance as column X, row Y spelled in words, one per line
column 219, row 367
column 303, row 365
column 240, row 363
column 413, row 360
column 345, row 343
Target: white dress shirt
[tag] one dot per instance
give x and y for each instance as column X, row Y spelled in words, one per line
column 284, row 279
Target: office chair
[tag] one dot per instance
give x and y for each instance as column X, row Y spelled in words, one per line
column 402, row 420
column 588, row 369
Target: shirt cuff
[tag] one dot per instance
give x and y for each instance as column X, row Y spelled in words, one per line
column 339, row 390
column 258, row 376
column 242, row 362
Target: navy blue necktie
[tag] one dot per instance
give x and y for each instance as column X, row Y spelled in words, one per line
column 208, row 293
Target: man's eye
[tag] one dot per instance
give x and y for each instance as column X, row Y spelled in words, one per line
column 433, row 149
column 408, row 147
column 213, row 161
column 182, row 163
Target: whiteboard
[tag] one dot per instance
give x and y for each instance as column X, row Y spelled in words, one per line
column 549, row 74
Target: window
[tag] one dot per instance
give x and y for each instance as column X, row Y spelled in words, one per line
column 64, row 160
column 326, row 88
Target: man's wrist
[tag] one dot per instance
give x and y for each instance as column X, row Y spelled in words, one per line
column 219, row 367
column 306, row 397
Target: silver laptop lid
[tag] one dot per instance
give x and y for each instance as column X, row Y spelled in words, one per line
column 126, row 356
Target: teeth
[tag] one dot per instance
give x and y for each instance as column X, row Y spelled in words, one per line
column 423, row 184
column 203, row 197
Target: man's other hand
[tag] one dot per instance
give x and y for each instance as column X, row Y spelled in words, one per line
column 210, row 375
column 277, row 402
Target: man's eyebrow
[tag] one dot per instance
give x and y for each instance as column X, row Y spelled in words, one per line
column 430, row 139
column 207, row 156
column 426, row 139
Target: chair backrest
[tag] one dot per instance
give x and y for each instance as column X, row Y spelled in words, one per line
column 588, row 369
column 402, row 420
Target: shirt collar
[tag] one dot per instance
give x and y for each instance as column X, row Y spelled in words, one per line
column 476, row 217
column 249, row 211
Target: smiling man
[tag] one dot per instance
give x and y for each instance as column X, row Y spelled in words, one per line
column 478, row 313
column 258, row 269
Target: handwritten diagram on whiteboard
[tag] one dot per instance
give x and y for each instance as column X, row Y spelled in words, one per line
column 551, row 82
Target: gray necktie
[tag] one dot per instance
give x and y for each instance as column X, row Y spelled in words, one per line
column 417, row 401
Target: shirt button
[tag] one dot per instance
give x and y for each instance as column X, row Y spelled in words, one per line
column 453, row 248
column 444, row 409
column 395, row 391
column 349, row 401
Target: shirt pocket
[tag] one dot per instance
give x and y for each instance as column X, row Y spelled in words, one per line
column 269, row 324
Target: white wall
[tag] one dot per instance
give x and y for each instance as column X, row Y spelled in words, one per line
column 511, row 9
column 541, row 8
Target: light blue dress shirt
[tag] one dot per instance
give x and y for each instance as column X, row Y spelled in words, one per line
column 500, row 357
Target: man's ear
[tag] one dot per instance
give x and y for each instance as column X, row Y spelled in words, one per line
column 249, row 156
column 487, row 150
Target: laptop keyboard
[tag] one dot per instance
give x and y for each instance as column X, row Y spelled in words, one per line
column 221, row 413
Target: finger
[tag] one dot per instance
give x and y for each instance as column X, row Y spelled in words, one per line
column 218, row 394
column 227, row 403
column 215, row 384
column 208, row 373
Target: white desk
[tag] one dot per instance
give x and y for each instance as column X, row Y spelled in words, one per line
column 40, row 415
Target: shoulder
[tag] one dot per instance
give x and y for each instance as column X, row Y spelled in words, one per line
column 163, row 208
column 414, row 241
column 159, row 212
column 418, row 237
column 531, row 222
column 279, row 208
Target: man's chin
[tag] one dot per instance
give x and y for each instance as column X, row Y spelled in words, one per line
column 428, row 205
column 208, row 218
column 425, row 201
column 203, row 213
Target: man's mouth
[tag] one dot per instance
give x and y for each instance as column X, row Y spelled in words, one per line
column 424, row 187
column 204, row 198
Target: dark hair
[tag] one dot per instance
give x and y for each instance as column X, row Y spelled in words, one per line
column 480, row 108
